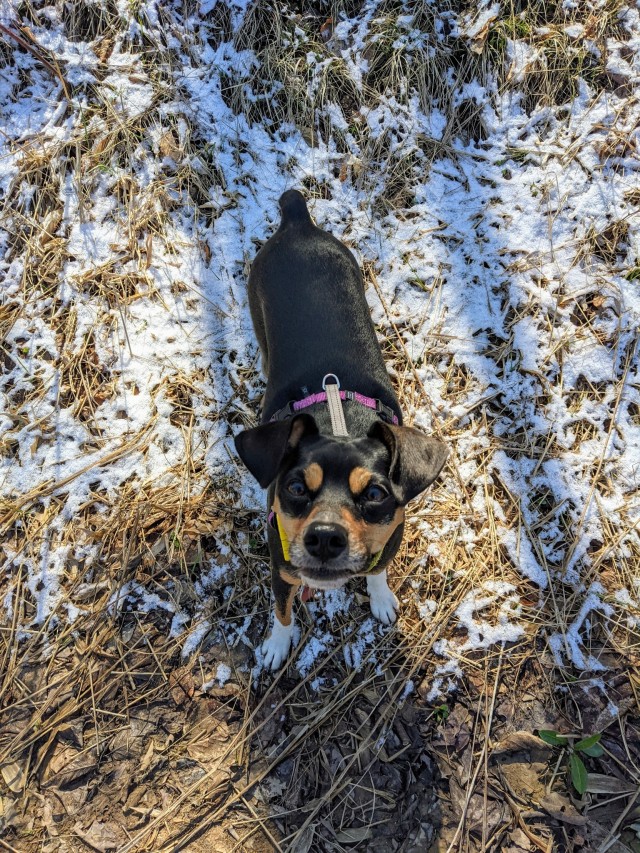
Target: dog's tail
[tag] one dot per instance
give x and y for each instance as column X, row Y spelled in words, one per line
column 294, row 209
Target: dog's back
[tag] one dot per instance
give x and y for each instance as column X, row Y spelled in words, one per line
column 310, row 313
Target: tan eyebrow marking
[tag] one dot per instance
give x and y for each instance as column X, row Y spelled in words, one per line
column 373, row 537
column 313, row 476
column 359, row 479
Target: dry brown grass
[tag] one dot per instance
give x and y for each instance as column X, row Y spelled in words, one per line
column 108, row 740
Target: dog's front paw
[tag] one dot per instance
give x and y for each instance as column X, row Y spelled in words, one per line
column 383, row 602
column 275, row 648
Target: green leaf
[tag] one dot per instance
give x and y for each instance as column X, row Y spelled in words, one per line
column 552, row 737
column 587, row 742
column 441, row 712
column 579, row 773
column 594, row 751
column 355, row 835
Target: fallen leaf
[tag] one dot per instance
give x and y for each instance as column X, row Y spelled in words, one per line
column 478, row 812
column 168, row 146
column 104, row 49
column 524, row 777
column 520, row 741
column 612, row 713
column 14, row 775
column 208, row 739
column 456, row 731
column 72, row 799
column 147, row 758
column 68, row 765
column 102, row 836
column 477, row 31
column 326, row 30
column 599, row 783
column 562, row 809
column 8, row 811
column 182, row 685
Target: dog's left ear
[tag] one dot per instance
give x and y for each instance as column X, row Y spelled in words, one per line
column 416, row 458
column 263, row 448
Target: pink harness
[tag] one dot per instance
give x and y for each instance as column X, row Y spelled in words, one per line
column 383, row 411
column 369, row 402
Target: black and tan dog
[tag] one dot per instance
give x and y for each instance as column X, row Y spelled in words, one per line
column 337, row 493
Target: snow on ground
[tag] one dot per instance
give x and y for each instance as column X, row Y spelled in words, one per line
column 507, row 271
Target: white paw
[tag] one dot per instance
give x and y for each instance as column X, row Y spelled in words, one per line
column 383, row 602
column 275, row 648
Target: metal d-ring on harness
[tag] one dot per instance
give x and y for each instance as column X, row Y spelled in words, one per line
column 294, row 406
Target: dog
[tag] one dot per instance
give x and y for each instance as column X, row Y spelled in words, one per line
column 331, row 449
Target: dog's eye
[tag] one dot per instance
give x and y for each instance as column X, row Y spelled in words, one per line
column 297, row 488
column 374, row 494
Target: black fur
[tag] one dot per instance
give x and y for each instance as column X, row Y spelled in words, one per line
column 311, row 318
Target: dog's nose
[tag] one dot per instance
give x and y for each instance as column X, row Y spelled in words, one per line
column 325, row 541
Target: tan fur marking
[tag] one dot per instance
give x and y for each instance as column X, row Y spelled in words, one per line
column 292, row 526
column 359, row 478
column 373, row 537
column 289, row 578
column 313, row 477
column 297, row 431
column 285, row 618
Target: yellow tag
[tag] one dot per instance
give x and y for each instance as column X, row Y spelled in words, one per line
column 374, row 560
column 283, row 540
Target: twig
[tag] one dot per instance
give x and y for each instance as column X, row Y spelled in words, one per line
column 480, row 763
column 35, row 50
column 633, row 799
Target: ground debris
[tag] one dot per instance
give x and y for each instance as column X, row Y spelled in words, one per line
column 101, row 836
column 481, row 162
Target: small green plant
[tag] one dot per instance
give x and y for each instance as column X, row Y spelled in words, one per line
column 587, row 746
column 441, row 712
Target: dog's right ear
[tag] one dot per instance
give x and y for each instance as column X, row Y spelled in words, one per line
column 416, row 458
column 263, row 448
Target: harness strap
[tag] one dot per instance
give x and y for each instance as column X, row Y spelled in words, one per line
column 384, row 412
column 332, row 390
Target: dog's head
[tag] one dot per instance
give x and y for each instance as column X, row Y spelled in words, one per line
column 339, row 500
